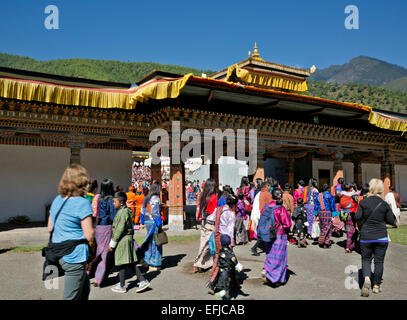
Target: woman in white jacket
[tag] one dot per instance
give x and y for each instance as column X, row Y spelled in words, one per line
column 392, row 202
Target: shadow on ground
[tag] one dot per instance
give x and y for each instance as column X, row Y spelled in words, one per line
column 172, row 261
column 5, row 250
column 12, row 226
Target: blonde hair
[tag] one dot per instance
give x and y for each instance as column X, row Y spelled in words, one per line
column 74, row 181
column 376, row 188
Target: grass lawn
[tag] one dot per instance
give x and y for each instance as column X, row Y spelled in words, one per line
column 398, row 235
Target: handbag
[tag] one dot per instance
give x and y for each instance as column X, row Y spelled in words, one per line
column 46, row 274
column 160, row 237
column 315, row 232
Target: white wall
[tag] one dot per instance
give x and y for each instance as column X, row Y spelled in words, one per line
column 348, row 172
column 401, row 180
column 29, row 179
column 112, row 164
column 370, row 171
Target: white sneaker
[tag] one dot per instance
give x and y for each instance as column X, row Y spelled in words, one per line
column 119, row 289
column 143, row 285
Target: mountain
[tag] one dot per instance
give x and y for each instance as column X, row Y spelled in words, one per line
column 364, row 70
column 107, row 70
column 397, row 85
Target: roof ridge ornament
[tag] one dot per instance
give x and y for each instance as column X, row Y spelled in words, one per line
column 256, row 54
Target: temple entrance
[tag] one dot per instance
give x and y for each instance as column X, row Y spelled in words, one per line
column 324, row 176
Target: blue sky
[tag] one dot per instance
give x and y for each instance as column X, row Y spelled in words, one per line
column 206, row 34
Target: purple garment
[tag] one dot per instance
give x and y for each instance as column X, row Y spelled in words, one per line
column 310, row 216
column 325, row 225
column 102, row 237
column 240, row 211
column 282, row 217
column 276, row 260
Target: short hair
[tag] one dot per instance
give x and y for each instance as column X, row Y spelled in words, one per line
column 276, row 194
column 300, row 201
column 265, row 184
column 74, row 181
column 325, row 187
column 287, row 187
column 376, row 188
column 240, row 195
column 346, row 187
column 121, row 196
column 341, row 181
column 93, row 185
column 365, row 189
column 231, row 200
column 301, row 183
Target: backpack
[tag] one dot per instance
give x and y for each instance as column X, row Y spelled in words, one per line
column 266, row 229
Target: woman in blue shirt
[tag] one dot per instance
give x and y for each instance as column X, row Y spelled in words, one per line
column 325, row 209
column 74, row 222
column 106, row 212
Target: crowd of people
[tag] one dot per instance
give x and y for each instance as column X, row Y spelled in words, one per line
column 106, row 222
column 273, row 216
column 270, row 215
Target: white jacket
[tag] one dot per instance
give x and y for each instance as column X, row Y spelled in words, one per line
column 392, row 202
column 255, row 215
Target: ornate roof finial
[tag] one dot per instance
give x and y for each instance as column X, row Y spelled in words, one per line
column 256, row 54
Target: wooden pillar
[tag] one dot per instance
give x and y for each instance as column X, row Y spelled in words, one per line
column 387, row 172
column 214, row 172
column 156, row 172
column 261, row 157
column 337, row 168
column 260, row 168
column 176, row 211
column 357, row 172
column 289, row 172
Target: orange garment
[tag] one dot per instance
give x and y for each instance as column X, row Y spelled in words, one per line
column 131, row 198
column 288, row 202
column 139, row 198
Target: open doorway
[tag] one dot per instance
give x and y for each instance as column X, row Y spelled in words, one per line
column 324, row 176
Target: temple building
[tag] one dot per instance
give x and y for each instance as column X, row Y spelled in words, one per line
column 48, row 121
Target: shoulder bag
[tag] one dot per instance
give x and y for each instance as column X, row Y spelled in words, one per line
column 44, row 252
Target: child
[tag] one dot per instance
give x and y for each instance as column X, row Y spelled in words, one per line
column 227, row 263
column 299, row 217
column 122, row 241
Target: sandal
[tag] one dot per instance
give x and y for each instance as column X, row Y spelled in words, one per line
column 348, row 251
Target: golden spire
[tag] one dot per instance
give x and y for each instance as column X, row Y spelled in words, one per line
column 256, row 54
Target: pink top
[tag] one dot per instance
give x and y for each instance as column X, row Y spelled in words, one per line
column 297, row 195
column 282, row 218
